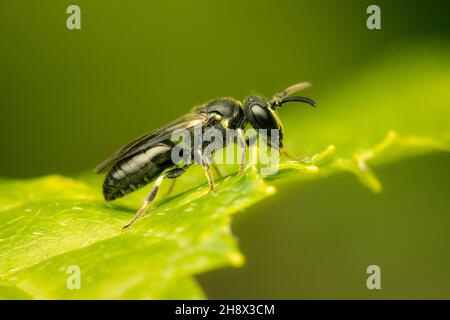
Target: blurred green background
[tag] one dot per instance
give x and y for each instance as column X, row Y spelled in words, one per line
column 70, row 98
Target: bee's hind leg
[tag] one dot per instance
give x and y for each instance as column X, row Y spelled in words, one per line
column 171, row 174
column 171, row 187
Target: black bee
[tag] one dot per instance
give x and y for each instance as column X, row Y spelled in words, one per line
column 148, row 157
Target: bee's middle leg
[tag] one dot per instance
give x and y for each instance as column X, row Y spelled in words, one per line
column 205, row 163
column 217, row 170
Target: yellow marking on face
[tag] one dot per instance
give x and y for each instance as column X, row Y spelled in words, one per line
column 225, row 122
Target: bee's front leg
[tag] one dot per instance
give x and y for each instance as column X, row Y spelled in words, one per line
column 243, row 145
column 291, row 157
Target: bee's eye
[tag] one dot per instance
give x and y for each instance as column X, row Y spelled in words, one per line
column 259, row 115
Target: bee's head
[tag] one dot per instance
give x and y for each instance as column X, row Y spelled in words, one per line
column 261, row 114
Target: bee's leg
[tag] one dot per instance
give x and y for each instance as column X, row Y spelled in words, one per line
column 209, row 176
column 206, row 167
column 285, row 153
column 291, row 157
column 171, row 187
column 171, row 174
column 243, row 145
column 217, row 170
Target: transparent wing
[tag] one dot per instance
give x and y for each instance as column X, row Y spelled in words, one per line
column 187, row 122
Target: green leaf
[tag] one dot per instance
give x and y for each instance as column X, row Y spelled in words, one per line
column 51, row 223
column 398, row 109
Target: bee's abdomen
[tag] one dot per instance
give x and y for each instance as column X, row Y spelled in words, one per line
column 137, row 171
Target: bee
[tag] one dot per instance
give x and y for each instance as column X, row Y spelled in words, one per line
column 148, row 158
